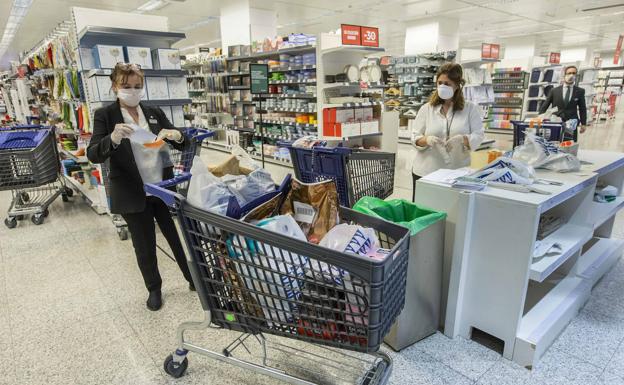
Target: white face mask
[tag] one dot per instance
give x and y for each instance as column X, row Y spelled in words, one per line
column 130, row 96
column 445, row 92
column 570, row 78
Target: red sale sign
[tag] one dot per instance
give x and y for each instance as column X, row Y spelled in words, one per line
column 618, row 48
column 554, row 58
column 486, row 51
column 351, row 34
column 494, row 51
column 370, row 36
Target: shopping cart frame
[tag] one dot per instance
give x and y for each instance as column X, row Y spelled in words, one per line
column 35, row 200
column 379, row 365
column 553, row 129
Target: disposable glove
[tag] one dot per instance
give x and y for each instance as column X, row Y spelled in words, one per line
column 120, row 132
column 169, row 134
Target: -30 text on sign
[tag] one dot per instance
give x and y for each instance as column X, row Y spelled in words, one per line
column 370, row 36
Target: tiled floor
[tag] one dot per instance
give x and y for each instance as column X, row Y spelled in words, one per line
column 72, row 312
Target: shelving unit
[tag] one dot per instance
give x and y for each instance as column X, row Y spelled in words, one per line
column 415, row 79
column 541, row 80
column 479, row 87
column 608, row 89
column 494, row 283
column 509, row 86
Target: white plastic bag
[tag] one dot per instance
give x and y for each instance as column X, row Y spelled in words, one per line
column 150, row 161
column 507, row 170
column 244, row 159
column 539, row 153
column 351, row 239
column 206, row 191
column 246, row 188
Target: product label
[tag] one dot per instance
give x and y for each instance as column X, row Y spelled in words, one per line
column 304, row 212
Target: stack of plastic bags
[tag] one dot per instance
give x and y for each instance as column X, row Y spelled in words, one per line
column 539, row 153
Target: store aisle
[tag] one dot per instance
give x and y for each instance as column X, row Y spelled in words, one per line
column 72, row 312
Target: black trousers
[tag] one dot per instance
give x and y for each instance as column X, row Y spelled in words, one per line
column 143, row 233
column 414, row 179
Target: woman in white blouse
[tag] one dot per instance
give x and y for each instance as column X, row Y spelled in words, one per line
column 447, row 128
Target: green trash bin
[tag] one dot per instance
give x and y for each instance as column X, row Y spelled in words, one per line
column 421, row 315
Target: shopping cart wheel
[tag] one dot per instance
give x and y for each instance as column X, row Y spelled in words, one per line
column 37, row 219
column 45, row 213
column 64, row 197
column 122, row 233
column 174, row 369
column 10, row 222
column 69, row 192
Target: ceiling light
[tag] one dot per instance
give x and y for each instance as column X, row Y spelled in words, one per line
column 151, row 5
column 18, row 11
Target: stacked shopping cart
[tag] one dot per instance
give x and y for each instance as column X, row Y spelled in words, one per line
column 30, row 169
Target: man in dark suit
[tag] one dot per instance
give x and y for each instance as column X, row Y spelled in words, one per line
column 569, row 100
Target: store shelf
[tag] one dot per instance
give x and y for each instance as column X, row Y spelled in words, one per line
column 302, row 110
column 601, row 212
column 512, row 91
column 354, row 84
column 222, row 147
column 90, row 36
column 546, row 320
column 236, row 73
column 601, row 256
column 147, row 72
column 284, row 123
column 352, row 48
column 351, row 105
column 289, row 96
column 293, row 68
column 78, row 159
column 353, row 136
column 90, row 195
column 238, row 87
column 306, row 81
column 198, row 90
column 167, row 102
column 496, row 130
column 571, row 238
column 478, row 85
column 293, row 51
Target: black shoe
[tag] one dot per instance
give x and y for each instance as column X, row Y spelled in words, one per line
column 154, row 301
column 192, row 286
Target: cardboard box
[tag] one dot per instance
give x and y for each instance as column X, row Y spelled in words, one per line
column 370, row 127
column 350, row 129
column 87, row 60
column 178, row 116
column 178, row 88
column 335, row 115
column 157, row 88
column 367, row 113
column 107, row 56
column 139, row 55
column 103, row 90
column 166, row 59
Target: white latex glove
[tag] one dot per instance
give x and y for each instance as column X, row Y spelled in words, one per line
column 120, row 132
column 169, row 134
column 456, row 142
column 433, row 140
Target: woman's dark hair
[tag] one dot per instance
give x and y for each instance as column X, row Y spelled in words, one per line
column 122, row 71
column 456, row 74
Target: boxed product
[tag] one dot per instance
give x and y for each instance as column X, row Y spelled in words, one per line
column 102, row 86
column 166, row 59
column 369, row 127
column 177, row 88
column 335, row 115
column 86, row 58
column 156, row 88
column 341, row 130
column 167, row 111
column 107, row 56
column 363, row 114
column 177, row 113
column 139, row 55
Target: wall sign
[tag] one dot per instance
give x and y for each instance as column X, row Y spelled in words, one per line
column 259, row 74
column 370, row 36
column 490, row 51
column 618, row 49
column 351, row 34
column 554, row 58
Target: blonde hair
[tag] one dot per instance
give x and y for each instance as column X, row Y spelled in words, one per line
column 456, row 74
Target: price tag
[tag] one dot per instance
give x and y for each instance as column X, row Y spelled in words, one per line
column 304, row 212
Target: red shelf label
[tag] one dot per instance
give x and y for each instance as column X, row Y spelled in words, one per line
column 370, row 36
column 351, row 34
column 554, row 58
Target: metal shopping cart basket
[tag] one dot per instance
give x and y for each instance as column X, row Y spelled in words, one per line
column 182, row 161
column 552, row 132
column 30, row 168
column 357, row 173
column 277, row 290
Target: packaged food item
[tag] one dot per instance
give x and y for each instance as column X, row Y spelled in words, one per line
column 314, row 206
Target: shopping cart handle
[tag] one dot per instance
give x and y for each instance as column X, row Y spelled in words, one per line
column 25, row 127
column 203, row 134
column 174, row 181
column 167, row 196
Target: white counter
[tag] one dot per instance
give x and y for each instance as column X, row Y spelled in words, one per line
column 493, row 282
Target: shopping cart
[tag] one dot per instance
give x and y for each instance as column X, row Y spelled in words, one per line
column 357, row 173
column 30, row 168
column 553, row 132
column 276, row 290
column 181, row 160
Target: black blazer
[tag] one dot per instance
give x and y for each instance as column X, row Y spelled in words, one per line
column 126, row 186
column 576, row 108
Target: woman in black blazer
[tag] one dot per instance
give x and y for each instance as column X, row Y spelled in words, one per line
column 111, row 129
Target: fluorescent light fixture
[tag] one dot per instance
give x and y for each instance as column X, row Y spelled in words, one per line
column 18, row 11
column 200, row 23
column 151, row 5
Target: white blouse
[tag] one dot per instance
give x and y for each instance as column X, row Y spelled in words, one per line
column 431, row 122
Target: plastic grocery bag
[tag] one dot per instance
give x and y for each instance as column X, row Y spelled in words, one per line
column 399, row 211
column 206, row 191
column 250, row 187
column 539, row 153
column 281, row 272
column 151, row 161
column 244, row 159
column 352, row 239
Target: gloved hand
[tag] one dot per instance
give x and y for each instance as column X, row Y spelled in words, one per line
column 455, row 142
column 433, row 140
column 120, row 132
column 169, row 134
